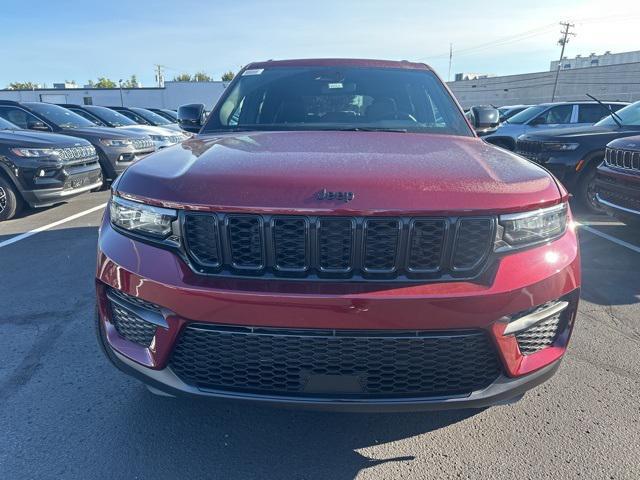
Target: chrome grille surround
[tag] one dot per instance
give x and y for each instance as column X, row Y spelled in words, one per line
column 142, row 143
column 624, row 159
column 85, row 152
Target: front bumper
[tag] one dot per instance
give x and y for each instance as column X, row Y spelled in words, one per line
column 122, row 157
column 160, row 277
column 619, row 193
column 64, row 183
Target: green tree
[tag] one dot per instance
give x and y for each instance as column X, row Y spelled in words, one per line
column 131, row 83
column 228, row 76
column 201, row 77
column 103, row 82
column 22, row 86
column 183, row 77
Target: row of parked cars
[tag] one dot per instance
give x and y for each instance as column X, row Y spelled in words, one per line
column 590, row 146
column 51, row 152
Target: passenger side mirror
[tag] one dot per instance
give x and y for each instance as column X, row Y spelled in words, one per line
column 38, row 125
column 191, row 117
column 485, row 119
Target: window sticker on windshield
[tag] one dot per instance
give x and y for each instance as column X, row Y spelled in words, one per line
column 253, row 71
column 335, row 85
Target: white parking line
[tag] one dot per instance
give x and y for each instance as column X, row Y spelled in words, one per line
column 28, row 234
column 615, row 240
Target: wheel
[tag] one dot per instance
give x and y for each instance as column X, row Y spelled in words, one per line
column 587, row 191
column 10, row 201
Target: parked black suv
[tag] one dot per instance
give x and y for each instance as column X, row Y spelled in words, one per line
column 618, row 180
column 41, row 169
column 573, row 154
column 170, row 115
column 116, row 149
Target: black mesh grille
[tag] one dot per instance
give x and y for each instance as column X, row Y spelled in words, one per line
column 290, row 244
column 381, row 244
column 318, row 362
column 426, row 244
column 245, row 240
column 472, row 242
column 359, row 248
column 132, row 327
column 529, row 149
column 539, row 336
column 619, row 198
column 203, row 239
column 335, row 239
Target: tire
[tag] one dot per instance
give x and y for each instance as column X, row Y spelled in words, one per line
column 10, row 201
column 587, row 192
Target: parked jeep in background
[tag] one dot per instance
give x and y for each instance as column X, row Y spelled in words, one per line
column 508, row 111
column 549, row 116
column 116, row 149
column 40, row 169
column 618, row 180
column 143, row 116
column 573, row 154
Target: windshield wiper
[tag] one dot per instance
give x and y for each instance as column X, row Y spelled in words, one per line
column 369, row 129
column 616, row 118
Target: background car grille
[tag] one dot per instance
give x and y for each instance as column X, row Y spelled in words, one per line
column 142, row 144
column 625, row 159
column 529, row 149
column 76, row 153
column 345, row 363
column 338, row 247
column 619, row 198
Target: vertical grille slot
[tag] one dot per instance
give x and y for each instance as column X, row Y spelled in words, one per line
column 290, row 244
column 381, row 242
column 203, row 239
column 473, row 238
column 245, row 235
column 335, row 244
column 426, row 241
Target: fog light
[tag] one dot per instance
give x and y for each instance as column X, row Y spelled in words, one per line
column 42, row 173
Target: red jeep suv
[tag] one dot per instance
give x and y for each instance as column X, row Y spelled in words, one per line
column 337, row 236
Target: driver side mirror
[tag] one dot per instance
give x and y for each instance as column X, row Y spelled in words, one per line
column 191, row 117
column 485, row 119
column 38, row 125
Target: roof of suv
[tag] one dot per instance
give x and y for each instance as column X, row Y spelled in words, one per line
column 581, row 102
column 341, row 62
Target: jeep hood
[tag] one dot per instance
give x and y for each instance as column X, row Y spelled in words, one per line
column 31, row 139
column 573, row 133
column 386, row 171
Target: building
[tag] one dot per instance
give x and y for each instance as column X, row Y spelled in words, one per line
column 594, row 60
column 172, row 95
column 619, row 81
column 65, row 85
column 472, row 76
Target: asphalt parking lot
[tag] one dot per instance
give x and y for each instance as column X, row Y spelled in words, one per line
column 67, row 413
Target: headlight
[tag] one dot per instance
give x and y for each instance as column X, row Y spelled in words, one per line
column 145, row 220
column 34, row 152
column 113, row 142
column 560, row 147
column 519, row 230
column 159, row 138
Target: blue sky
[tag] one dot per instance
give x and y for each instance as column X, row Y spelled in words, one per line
column 47, row 41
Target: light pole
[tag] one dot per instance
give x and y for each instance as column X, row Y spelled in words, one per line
column 121, row 101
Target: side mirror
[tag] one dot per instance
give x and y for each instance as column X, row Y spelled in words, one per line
column 191, row 117
column 38, row 125
column 485, row 119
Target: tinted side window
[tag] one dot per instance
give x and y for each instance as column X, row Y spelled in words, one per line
column 556, row 115
column 89, row 117
column 18, row 116
column 591, row 113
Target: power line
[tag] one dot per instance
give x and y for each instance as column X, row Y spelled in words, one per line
column 563, row 42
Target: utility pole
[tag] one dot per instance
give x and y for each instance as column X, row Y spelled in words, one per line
column 450, row 59
column 563, row 41
column 121, row 100
column 160, row 75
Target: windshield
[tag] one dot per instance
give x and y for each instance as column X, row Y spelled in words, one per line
column 526, row 115
column 628, row 116
column 113, row 118
column 60, row 116
column 151, row 117
column 7, row 125
column 345, row 98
